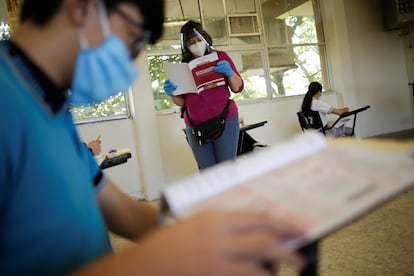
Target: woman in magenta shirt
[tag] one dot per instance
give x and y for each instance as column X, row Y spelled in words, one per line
column 209, row 103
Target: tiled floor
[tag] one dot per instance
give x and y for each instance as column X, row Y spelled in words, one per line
column 400, row 135
column 379, row 243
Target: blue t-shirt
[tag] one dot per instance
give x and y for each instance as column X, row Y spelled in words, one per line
column 50, row 221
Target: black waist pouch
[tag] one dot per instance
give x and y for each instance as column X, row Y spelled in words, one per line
column 211, row 129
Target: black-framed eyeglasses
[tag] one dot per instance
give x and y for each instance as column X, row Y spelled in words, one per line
column 138, row 43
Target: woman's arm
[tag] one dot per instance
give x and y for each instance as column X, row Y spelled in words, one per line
column 227, row 67
column 178, row 100
column 235, row 83
column 340, row 111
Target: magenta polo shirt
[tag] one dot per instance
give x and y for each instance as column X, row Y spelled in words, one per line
column 211, row 102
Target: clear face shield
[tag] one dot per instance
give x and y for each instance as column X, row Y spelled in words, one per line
column 199, row 36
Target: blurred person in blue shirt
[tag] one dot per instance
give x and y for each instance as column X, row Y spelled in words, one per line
column 56, row 205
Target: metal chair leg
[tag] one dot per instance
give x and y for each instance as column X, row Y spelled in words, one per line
column 310, row 252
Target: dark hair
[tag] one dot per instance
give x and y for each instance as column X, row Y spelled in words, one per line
column 313, row 88
column 187, row 32
column 152, row 11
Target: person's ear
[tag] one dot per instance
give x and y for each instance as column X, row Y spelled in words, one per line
column 77, row 10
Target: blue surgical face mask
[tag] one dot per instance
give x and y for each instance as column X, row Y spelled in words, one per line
column 103, row 71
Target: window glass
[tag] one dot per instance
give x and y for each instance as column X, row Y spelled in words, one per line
column 305, row 27
column 4, row 31
column 215, row 21
column 244, row 40
column 291, row 79
column 13, row 13
column 243, row 29
column 237, row 6
column 243, row 25
column 278, row 45
column 177, row 13
column 250, row 66
column 243, row 22
column 296, row 50
column 116, row 107
column 157, row 74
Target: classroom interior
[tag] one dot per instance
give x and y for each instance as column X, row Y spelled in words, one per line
column 367, row 65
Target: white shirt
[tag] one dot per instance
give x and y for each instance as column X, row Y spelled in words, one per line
column 323, row 109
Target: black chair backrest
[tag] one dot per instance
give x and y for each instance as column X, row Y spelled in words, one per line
column 310, row 120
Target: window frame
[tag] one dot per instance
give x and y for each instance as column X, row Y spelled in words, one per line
column 128, row 113
column 264, row 47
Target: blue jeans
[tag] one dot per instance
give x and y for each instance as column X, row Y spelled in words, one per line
column 222, row 149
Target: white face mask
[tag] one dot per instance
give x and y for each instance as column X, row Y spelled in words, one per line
column 198, row 49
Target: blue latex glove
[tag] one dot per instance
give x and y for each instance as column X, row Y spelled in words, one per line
column 169, row 87
column 223, row 66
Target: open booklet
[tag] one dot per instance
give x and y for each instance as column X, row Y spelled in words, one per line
column 345, row 118
column 195, row 76
column 318, row 183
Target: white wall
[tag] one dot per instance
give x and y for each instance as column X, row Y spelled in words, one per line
column 367, row 66
column 409, row 52
column 142, row 176
column 127, row 174
column 282, row 124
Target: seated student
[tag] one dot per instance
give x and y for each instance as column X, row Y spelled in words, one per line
column 312, row 101
column 248, row 143
column 95, row 146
